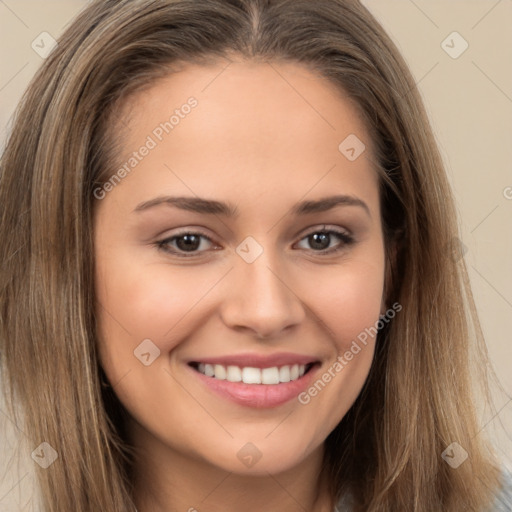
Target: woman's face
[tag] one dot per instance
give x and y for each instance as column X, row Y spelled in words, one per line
column 243, row 239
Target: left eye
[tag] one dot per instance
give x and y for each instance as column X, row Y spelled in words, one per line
column 190, row 242
column 318, row 239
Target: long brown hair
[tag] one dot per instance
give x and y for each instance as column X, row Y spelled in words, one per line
column 421, row 393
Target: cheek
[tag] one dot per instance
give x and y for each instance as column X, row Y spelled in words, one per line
column 348, row 298
column 138, row 301
column 146, row 302
column 347, row 302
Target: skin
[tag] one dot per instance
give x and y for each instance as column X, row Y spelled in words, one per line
column 257, row 142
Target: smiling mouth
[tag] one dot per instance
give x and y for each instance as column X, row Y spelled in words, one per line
column 250, row 375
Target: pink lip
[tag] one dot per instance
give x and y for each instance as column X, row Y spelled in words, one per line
column 258, row 360
column 261, row 396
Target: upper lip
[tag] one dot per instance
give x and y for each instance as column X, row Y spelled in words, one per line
column 255, row 360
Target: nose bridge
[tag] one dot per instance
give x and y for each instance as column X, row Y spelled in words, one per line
column 260, row 296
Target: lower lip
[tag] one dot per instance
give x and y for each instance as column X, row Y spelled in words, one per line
column 258, row 395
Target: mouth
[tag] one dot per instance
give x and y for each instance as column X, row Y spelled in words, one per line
column 251, row 375
column 256, row 382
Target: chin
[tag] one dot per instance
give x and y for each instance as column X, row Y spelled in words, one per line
column 260, row 458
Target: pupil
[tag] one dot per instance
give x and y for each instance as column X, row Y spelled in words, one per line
column 191, row 242
column 319, row 240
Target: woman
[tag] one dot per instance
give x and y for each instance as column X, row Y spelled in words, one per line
column 247, row 366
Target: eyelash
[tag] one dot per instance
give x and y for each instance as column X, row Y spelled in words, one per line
column 344, row 236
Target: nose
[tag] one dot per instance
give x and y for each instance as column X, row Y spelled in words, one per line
column 260, row 299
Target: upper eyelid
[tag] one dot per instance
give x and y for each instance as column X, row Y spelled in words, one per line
column 324, row 227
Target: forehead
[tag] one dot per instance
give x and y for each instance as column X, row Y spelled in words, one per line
column 255, row 127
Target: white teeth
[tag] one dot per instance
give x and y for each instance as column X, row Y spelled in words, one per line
column 234, row 374
column 220, row 372
column 250, row 375
column 284, row 374
column 270, row 375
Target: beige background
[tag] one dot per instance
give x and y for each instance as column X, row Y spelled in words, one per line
column 470, row 104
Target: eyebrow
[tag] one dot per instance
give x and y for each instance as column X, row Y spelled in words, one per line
column 213, row 207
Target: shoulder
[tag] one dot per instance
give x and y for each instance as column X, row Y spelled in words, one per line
column 503, row 502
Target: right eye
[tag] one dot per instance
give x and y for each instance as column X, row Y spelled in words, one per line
column 183, row 243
